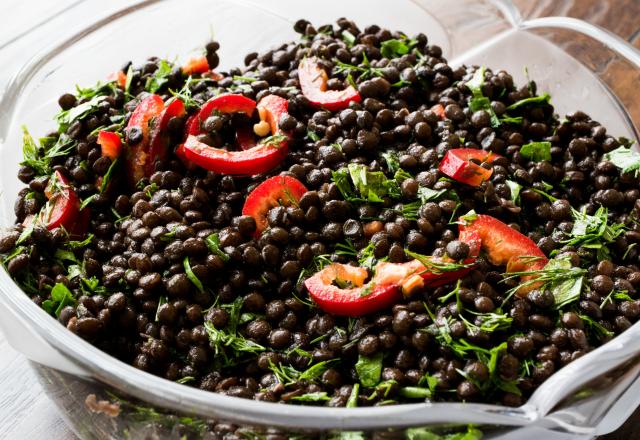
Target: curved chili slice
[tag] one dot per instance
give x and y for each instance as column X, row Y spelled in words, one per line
column 457, row 165
column 360, row 299
column 228, row 103
column 158, row 138
column 195, row 65
column 313, row 82
column 63, row 203
column 110, row 144
column 257, row 160
column 504, row 245
column 138, row 156
column 275, row 191
column 340, row 288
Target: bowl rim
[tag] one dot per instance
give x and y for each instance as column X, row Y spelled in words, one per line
column 170, row 395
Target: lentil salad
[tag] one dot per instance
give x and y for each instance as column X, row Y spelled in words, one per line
column 165, row 266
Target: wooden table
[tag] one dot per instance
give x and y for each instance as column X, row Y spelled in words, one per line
column 26, row 413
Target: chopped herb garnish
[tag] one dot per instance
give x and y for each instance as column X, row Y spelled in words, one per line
column 227, row 344
column 478, row 101
column 415, row 392
column 66, row 117
column 159, row 78
column 312, row 135
column 536, row 151
column 394, row 48
column 624, row 158
column 75, row 244
column 106, row 179
column 318, row 396
column 559, row 276
column 61, row 297
column 161, row 301
column 348, row 38
column 594, row 232
column 352, row 402
column 186, row 379
column 86, row 202
column 192, row 276
column 595, row 328
column 213, row 243
column 542, row 99
column 369, row 369
column 288, row 375
column 515, row 189
column 39, row 157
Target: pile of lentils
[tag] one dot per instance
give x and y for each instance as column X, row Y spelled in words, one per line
column 133, row 298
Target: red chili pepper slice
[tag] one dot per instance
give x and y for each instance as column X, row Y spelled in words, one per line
column 138, row 156
column 358, row 300
column 229, row 103
column 438, row 109
column 456, row 164
column 313, row 82
column 256, row 160
column 158, row 138
column 390, row 282
column 275, row 191
column 245, row 138
column 504, row 245
column 110, row 143
column 195, row 65
column 63, row 203
column 119, row 77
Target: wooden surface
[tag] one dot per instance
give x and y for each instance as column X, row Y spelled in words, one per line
column 26, row 413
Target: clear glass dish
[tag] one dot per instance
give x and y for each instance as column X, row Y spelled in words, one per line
column 566, row 57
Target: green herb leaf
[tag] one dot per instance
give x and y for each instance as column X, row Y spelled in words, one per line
column 213, row 243
column 66, row 117
column 372, row 185
column 313, row 136
column 192, row 276
column 542, row 99
column 595, row 328
column 515, row 189
column 352, row 402
column 318, row 396
column 415, row 392
column 594, row 232
column 227, row 344
column 86, row 202
column 536, row 151
column 161, row 301
column 74, row 244
column 61, row 297
column 369, row 369
column 625, row 158
column 348, row 38
column 186, row 379
column 110, row 174
column 159, row 78
column 393, row 48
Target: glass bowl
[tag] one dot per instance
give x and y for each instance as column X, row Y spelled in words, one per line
column 568, row 58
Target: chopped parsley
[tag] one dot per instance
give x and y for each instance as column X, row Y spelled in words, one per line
column 318, row 396
column 159, row 78
column 594, row 232
column 39, row 157
column 348, row 38
column 227, row 344
column 368, row 186
column 542, row 99
column 61, row 297
column 395, row 48
column 192, row 276
column 559, row 276
column 536, row 151
column 213, row 243
column 624, row 158
column 478, row 100
column 352, row 402
column 369, row 369
column 110, row 174
column 515, row 189
column 67, row 117
column 288, row 375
